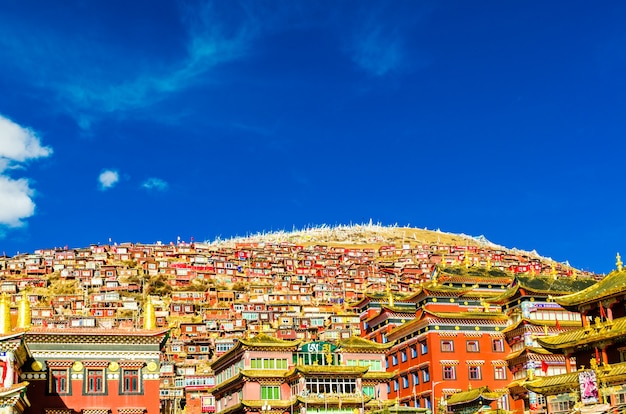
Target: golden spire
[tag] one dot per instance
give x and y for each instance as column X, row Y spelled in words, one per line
column 466, row 260
column 389, row 295
column 488, row 262
column 5, row 315
column 619, row 263
column 149, row 317
column 23, row 312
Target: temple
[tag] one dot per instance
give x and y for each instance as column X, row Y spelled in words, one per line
column 267, row 375
column 597, row 382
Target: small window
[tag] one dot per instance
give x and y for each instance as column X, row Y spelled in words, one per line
column 131, row 381
column 423, row 348
column 474, row 373
column 59, row 381
column 270, row 392
column 405, row 381
column 394, row 360
column 498, row 345
column 472, row 346
column 95, row 381
column 449, row 372
column 447, row 346
column 425, row 375
column 499, row 373
column 403, row 355
column 416, row 378
column 413, row 351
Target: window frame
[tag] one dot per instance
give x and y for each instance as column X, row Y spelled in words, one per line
column 497, row 345
column 474, row 373
column 62, row 374
column 98, row 373
column 128, row 374
column 499, row 372
column 469, row 344
column 448, row 372
column 447, row 345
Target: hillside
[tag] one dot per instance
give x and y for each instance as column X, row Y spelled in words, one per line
column 370, row 236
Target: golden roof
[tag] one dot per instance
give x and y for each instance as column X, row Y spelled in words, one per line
column 529, row 350
column 378, row 375
column 556, row 384
column 265, row 340
column 553, row 384
column 587, row 335
column 536, row 322
column 613, row 283
column 471, row 395
column 356, row 343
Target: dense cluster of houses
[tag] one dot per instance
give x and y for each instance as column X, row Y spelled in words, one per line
column 209, row 300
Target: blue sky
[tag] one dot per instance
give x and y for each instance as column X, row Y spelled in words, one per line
column 151, row 120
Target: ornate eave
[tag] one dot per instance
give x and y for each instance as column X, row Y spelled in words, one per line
column 466, row 397
column 359, row 344
column 578, row 338
column 553, row 384
column 331, row 370
column 95, row 336
column 265, row 341
column 378, row 375
column 542, row 323
column 496, row 316
column 613, row 284
column 557, row 384
column 528, row 351
column 15, row 396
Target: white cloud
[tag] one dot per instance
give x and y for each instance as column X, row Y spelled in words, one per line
column 18, row 145
column 16, row 203
column 155, row 184
column 108, row 179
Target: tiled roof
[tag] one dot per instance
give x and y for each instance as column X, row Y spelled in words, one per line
column 587, row 335
column 613, row 283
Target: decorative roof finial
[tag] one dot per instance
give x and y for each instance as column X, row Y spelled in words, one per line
column 23, row 312
column 389, row 295
column 466, row 260
column 619, row 263
column 149, row 316
column 5, row 314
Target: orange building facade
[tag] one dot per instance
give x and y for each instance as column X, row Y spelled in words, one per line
column 96, row 372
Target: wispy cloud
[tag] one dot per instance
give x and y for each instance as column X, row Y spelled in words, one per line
column 108, row 179
column 155, row 184
column 108, row 79
column 377, row 52
column 18, row 145
column 385, row 40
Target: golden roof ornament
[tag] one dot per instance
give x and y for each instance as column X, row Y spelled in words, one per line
column 389, row 295
column 23, row 312
column 488, row 262
column 553, row 270
column 149, row 316
column 619, row 263
column 466, row 260
column 5, row 314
